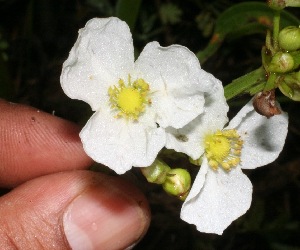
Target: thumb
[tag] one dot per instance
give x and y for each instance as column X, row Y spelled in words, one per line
column 78, row 209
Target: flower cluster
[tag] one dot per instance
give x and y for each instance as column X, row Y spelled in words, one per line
column 144, row 105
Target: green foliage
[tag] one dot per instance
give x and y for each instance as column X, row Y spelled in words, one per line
column 170, row 13
column 128, row 10
column 104, row 6
column 205, row 23
column 240, row 20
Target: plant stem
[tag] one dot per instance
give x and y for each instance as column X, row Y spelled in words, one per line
column 276, row 27
column 244, row 83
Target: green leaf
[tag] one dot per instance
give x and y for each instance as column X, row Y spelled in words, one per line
column 128, row 10
column 243, row 19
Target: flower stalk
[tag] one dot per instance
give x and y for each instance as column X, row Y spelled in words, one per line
column 157, row 172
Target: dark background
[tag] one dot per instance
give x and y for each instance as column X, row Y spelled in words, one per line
column 35, row 39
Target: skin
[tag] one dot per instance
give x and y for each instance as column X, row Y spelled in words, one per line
column 43, row 164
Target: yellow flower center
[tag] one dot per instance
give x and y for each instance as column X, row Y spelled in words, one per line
column 130, row 100
column 223, row 148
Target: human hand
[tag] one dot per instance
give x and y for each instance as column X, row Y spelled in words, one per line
column 55, row 203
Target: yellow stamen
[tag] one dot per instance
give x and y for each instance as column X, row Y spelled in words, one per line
column 131, row 99
column 223, row 148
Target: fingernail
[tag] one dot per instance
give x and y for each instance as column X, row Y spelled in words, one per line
column 103, row 219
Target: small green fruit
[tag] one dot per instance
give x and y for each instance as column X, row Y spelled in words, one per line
column 281, row 62
column 289, row 38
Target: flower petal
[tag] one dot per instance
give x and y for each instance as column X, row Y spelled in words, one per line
column 177, row 82
column 224, row 197
column 199, row 181
column 263, row 137
column 121, row 144
column 214, row 117
column 102, row 54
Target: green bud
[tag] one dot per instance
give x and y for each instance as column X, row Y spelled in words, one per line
column 178, row 183
column 276, row 4
column 292, row 3
column 157, row 172
column 296, row 57
column 297, row 76
column 281, row 62
column 289, row 38
column 290, row 86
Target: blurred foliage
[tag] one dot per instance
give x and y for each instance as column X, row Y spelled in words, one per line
column 170, row 13
column 243, row 19
column 35, row 39
column 128, row 10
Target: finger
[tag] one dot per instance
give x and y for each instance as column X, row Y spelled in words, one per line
column 34, row 143
column 77, row 209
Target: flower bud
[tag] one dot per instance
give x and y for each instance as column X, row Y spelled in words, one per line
column 281, row 4
column 292, row 3
column 157, row 172
column 178, row 183
column 276, row 4
column 290, row 86
column 281, row 62
column 289, row 38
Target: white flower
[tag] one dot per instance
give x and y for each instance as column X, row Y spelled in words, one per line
column 221, row 192
column 133, row 101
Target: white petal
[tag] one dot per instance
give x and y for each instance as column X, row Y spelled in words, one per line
column 177, row 82
column 199, row 181
column 102, row 54
column 214, row 117
column 224, row 197
column 121, row 144
column 263, row 138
